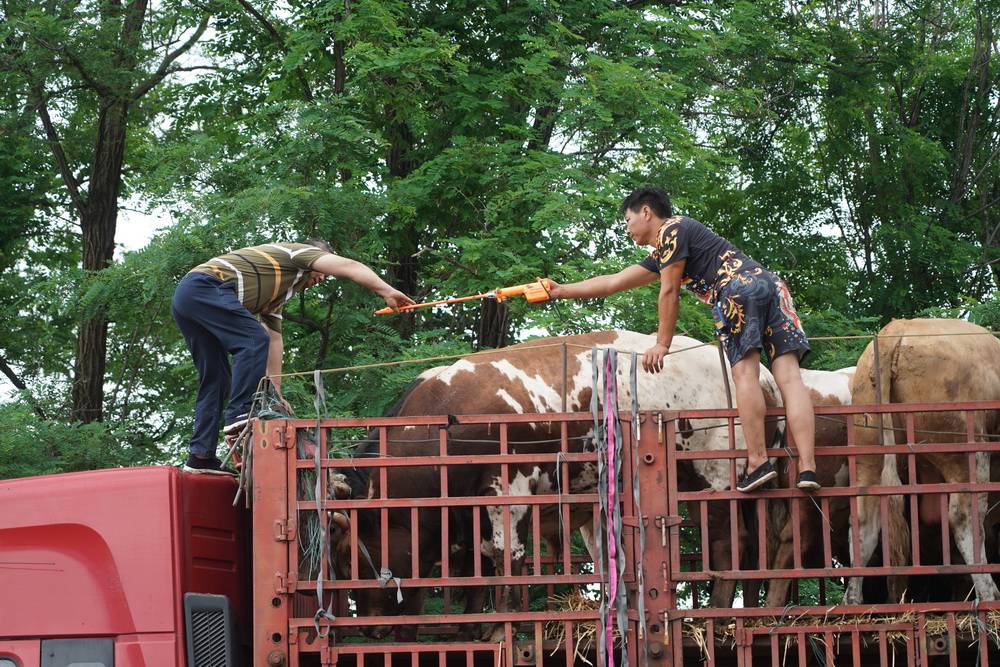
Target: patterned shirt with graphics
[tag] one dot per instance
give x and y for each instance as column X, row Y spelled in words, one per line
column 712, row 261
column 265, row 276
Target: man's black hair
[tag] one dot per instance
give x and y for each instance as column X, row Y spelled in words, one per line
column 321, row 244
column 655, row 198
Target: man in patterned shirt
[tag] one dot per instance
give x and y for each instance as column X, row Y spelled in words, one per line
column 231, row 305
column 752, row 308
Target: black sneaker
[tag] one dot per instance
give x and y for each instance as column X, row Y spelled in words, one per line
column 200, row 466
column 235, row 426
column 760, row 476
column 808, row 481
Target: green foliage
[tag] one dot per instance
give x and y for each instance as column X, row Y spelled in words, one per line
column 31, row 446
column 459, row 148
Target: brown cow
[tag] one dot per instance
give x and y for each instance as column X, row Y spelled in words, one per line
column 528, row 378
column 926, row 361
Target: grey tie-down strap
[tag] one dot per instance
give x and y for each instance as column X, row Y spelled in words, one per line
column 319, row 401
column 610, row 524
column 602, row 482
column 384, row 576
column 637, row 499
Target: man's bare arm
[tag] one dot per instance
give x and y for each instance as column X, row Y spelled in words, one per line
column 598, row 286
column 667, row 306
column 275, row 356
column 342, row 267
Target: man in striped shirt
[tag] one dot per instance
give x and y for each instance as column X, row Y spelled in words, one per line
column 231, row 305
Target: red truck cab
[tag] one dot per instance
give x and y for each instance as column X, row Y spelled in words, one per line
column 131, row 567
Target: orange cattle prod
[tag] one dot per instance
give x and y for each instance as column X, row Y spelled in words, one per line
column 535, row 292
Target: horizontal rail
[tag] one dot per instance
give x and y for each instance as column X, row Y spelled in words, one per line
column 420, row 647
column 818, row 572
column 834, row 611
column 432, row 619
column 455, row 460
column 451, row 501
column 851, row 450
column 665, row 414
column 842, row 491
column 456, row 581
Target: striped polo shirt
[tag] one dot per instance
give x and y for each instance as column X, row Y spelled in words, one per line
column 265, row 276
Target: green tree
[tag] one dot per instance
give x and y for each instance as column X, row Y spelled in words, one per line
column 86, row 69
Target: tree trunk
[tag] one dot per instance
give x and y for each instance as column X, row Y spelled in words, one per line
column 493, row 325
column 99, row 221
column 403, row 245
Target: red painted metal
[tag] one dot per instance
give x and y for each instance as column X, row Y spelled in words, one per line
column 110, row 553
column 676, row 562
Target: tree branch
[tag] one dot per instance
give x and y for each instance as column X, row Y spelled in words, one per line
column 72, row 184
column 280, row 41
column 19, row 383
column 164, row 69
column 77, row 64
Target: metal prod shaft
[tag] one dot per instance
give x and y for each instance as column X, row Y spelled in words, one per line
column 535, row 292
column 442, row 302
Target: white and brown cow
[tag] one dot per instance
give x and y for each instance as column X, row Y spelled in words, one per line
column 926, row 361
column 825, row 388
column 529, row 378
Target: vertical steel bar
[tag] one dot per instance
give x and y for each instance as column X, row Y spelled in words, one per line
column 710, row 641
column 505, row 490
column 324, row 517
column 539, row 647
column 444, row 471
column 796, row 533
column 415, row 542
column 945, row 531
column 706, row 547
column 824, row 503
column 384, row 535
column 984, row 640
column 569, row 643
column 536, row 539
column 477, row 539
column 355, row 556
column 952, row 645
column 674, row 560
column 383, row 476
column 883, row 509
column 565, row 375
column 508, row 636
column 734, row 535
column 977, row 522
column 761, row 505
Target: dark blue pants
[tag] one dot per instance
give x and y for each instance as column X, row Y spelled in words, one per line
column 215, row 325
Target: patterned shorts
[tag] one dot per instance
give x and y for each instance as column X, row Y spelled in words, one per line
column 755, row 311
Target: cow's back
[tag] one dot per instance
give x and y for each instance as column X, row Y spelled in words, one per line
column 931, row 361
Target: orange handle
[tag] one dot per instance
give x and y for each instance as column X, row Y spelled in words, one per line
column 535, row 292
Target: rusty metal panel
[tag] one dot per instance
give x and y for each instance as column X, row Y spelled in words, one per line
column 433, row 539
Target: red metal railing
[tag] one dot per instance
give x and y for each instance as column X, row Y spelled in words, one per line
column 688, row 531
